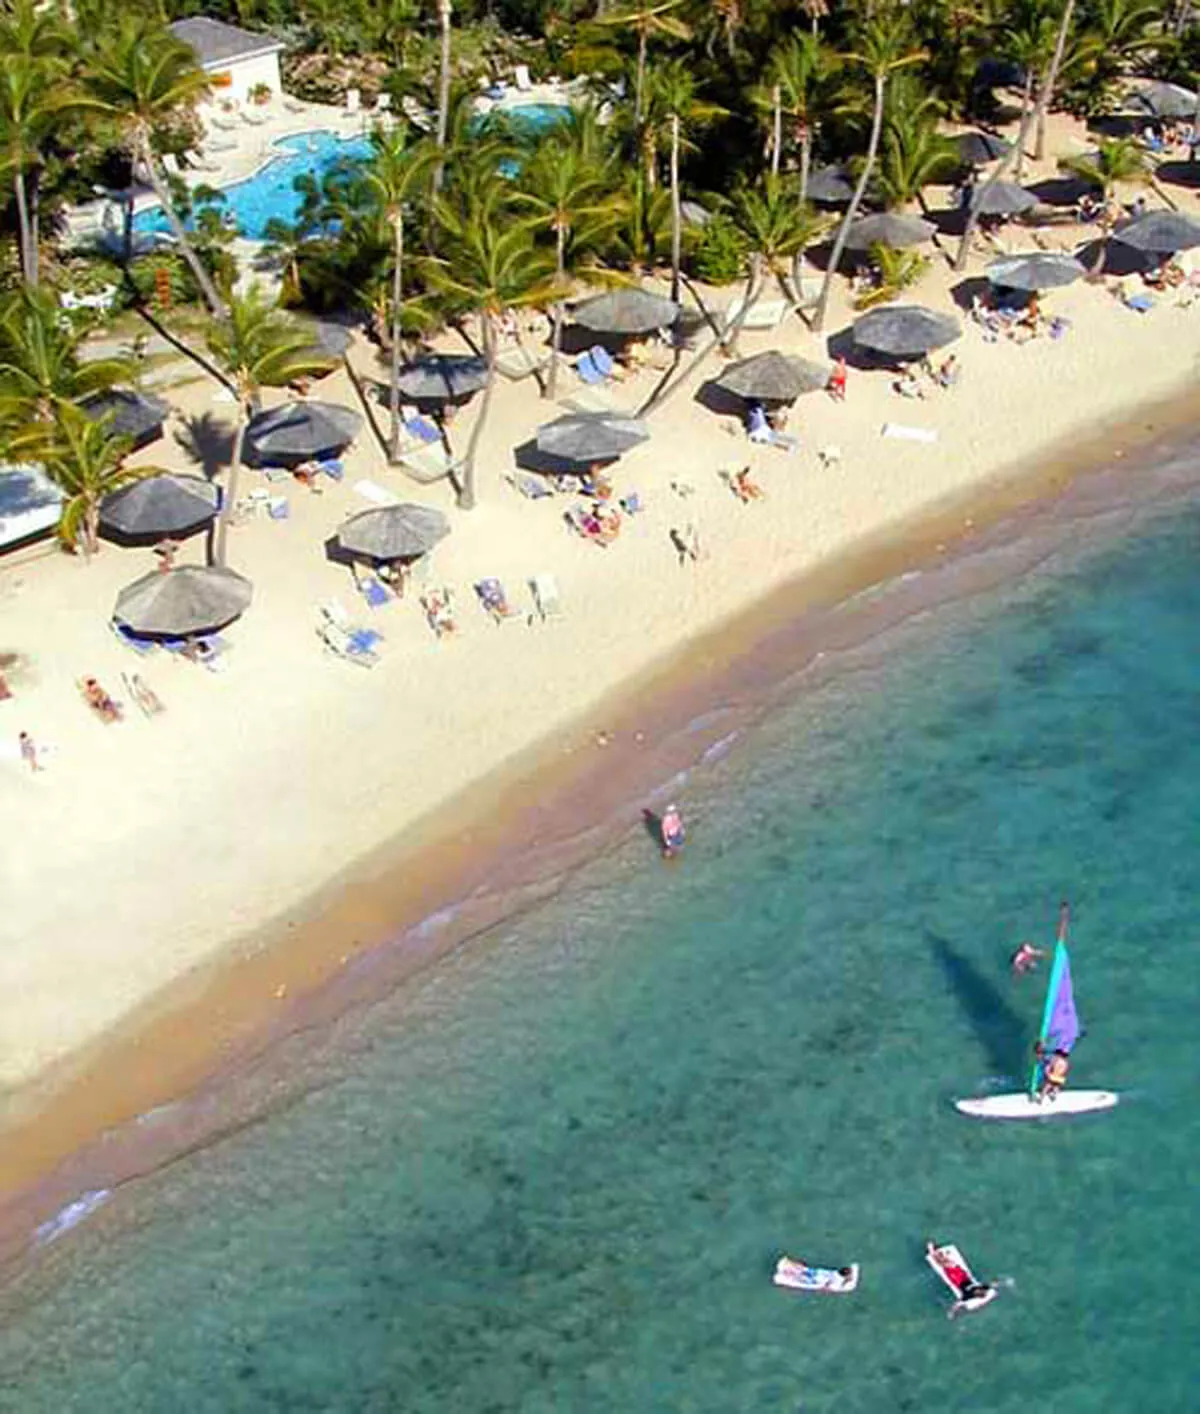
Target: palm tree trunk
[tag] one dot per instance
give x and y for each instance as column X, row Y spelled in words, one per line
column 753, row 288
column 964, row 246
column 24, row 238
column 776, row 130
column 443, row 117
column 839, row 245
column 640, row 79
column 91, row 528
column 558, row 314
column 397, row 309
column 1026, row 101
column 231, row 485
column 1046, row 97
column 805, row 160
column 35, row 225
column 676, row 210
column 214, row 301
column 466, row 496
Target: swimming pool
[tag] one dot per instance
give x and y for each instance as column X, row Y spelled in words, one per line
column 271, row 195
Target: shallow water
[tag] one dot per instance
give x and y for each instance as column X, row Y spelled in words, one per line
column 555, row 1173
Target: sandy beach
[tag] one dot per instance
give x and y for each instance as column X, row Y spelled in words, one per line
column 153, row 860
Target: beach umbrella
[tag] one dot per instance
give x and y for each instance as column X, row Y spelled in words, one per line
column 329, row 338
column 976, row 149
column 183, row 601
column 1162, row 100
column 393, row 532
column 905, row 330
column 443, row 378
column 587, row 437
column 773, row 377
column 831, row 185
column 299, row 432
column 1160, row 233
column 1036, row 271
column 160, row 505
column 1002, row 199
column 139, row 416
column 888, row 228
column 627, row 311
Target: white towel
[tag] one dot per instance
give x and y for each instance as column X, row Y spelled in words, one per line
column 909, row 434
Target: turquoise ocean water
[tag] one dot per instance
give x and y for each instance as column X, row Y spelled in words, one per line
column 555, row 1174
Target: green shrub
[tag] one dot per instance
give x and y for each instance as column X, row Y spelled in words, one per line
column 720, row 251
column 180, row 282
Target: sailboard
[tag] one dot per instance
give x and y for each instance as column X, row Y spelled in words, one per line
column 831, row 1281
column 970, row 1294
column 1059, row 1032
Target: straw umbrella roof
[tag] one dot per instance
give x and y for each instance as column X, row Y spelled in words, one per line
column 160, row 505
column 1160, row 233
column 626, row 311
column 1002, row 199
column 591, row 436
column 773, row 377
column 393, row 532
column 300, row 431
column 905, row 330
column 1039, row 270
column 889, row 228
column 183, row 601
column 443, row 377
column 978, row 149
column 134, row 414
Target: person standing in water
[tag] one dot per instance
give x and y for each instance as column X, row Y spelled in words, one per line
column 671, row 831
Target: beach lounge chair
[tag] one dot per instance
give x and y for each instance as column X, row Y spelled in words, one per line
column 439, row 611
column 278, row 508
column 352, row 645
column 764, row 313
column 589, row 400
column 596, row 365
column 141, row 646
column 422, row 430
column 353, row 102
column 106, row 708
column 428, row 464
column 148, row 701
column 517, row 363
column 376, row 494
column 546, row 599
column 373, row 591
column 333, row 469
column 521, row 77
column 532, row 487
column 494, row 601
column 295, row 105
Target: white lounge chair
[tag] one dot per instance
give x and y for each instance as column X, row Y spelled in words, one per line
column 376, row 494
column 764, row 313
column 546, row 597
column 521, row 77
column 295, row 105
column 428, row 463
column 353, row 102
column 519, row 363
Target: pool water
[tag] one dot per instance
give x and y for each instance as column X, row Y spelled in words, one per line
column 271, row 195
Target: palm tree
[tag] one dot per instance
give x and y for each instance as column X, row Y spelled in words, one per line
column 884, row 48
column 143, row 77
column 898, row 269
column 651, row 19
column 87, row 461
column 491, row 264
column 1030, row 45
column 1115, row 160
column 395, row 168
column 643, row 233
column 1046, row 94
column 445, row 15
column 797, row 70
column 778, row 228
column 32, row 102
column 256, row 345
column 41, row 372
column 913, row 153
column 572, row 196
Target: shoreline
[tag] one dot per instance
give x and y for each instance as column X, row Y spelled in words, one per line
column 371, row 926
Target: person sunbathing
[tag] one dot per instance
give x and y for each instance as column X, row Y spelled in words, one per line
column 907, row 386
column 104, row 706
column 745, row 489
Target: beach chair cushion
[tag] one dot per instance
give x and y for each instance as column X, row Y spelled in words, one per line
column 531, row 486
column 333, row 469
column 602, row 360
column 544, row 589
column 587, row 370
column 373, row 592
column 422, row 429
column 1141, row 303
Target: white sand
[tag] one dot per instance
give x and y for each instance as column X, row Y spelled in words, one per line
column 147, row 847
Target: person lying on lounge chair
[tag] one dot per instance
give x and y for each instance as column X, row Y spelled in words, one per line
column 745, row 488
column 757, row 423
column 104, row 706
column 439, row 612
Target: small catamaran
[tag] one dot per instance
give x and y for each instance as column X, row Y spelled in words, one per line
column 1046, row 1098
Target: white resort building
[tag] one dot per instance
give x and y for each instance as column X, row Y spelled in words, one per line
column 236, row 61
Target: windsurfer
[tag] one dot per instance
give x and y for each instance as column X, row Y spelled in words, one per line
column 1026, row 957
column 1055, row 1068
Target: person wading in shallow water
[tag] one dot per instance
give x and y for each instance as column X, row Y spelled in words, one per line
column 1026, row 957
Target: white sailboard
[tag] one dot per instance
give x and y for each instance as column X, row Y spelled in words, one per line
column 1060, row 1030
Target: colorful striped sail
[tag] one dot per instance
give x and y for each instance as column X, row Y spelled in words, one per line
column 1060, row 1020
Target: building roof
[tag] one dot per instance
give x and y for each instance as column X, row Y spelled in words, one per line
column 216, row 44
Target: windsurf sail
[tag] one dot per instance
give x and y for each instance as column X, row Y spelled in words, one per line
column 1060, row 1020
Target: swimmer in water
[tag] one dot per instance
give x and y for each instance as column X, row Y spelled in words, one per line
column 1025, row 959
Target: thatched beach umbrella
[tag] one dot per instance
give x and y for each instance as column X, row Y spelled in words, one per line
column 588, row 437
column 171, row 504
column 329, row 338
column 1040, row 270
column 1002, row 199
column 628, row 311
column 393, row 532
column 773, row 377
column 890, row 229
column 831, row 186
column 299, row 432
column 443, row 378
column 139, row 416
column 903, row 331
column 183, row 601
column 978, row 149
column 1160, row 100
column 1160, row 233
